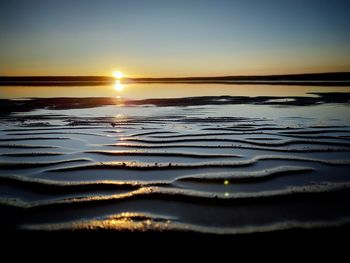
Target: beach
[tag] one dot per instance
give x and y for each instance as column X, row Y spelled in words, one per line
column 222, row 165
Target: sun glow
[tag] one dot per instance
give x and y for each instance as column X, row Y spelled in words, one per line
column 118, row 74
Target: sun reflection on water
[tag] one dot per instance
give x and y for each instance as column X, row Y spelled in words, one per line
column 120, row 118
column 118, row 86
column 119, row 101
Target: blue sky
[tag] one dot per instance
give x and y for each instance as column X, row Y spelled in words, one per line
column 173, row 38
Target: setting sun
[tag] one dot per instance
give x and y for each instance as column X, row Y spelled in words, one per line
column 117, row 74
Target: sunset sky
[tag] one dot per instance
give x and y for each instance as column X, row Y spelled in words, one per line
column 173, row 38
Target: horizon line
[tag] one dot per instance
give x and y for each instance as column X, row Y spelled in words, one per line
column 315, row 79
column 179, row 77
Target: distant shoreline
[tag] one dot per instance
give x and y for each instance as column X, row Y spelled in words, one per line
column 312, row 79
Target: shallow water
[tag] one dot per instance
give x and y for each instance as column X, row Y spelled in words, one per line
column 157, row 90
column 211, row 168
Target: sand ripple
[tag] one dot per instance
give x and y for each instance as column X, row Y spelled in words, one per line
column 181, row 172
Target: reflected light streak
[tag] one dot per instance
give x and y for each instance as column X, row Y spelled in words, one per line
column 118, row 86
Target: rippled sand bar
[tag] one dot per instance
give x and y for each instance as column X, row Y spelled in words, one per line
column 200, row 164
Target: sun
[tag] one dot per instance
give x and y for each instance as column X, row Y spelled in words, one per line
column 117, row 74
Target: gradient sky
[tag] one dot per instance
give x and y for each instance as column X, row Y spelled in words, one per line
column 173, row 38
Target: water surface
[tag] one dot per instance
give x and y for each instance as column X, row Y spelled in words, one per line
column 153, row 90
column 223, row 168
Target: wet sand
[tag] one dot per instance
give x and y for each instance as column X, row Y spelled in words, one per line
column 29, row 104
column 92, row 174
column 66, row 167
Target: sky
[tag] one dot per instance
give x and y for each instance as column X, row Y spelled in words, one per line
column 173, row 38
